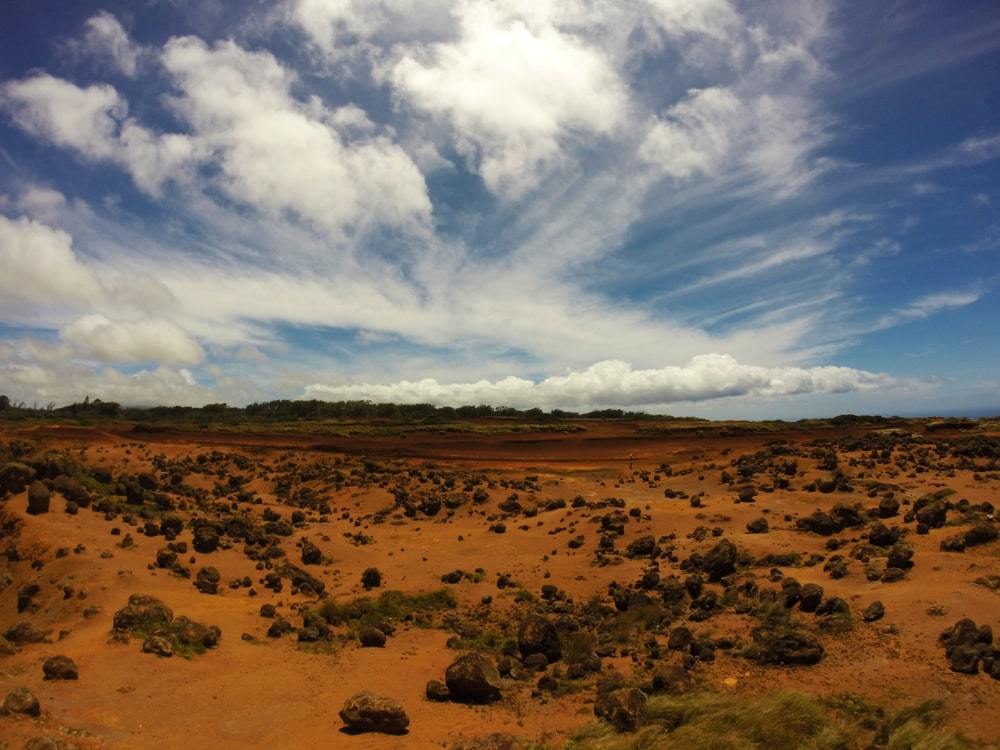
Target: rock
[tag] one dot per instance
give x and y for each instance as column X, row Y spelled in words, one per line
column 982, row 533
column 207, row 580
column 679, row 639
column 888, row 507
column 624, row 708
column 165, row 558
column 25, row 594
column 644, row 546
column 758, row 526
column 539, row 636
column 874, row 611
column 156, row 644
column 311, row 554
column 25, row 632
column 371, row 578
column 206, row 539
column 60, row 668
column 367, row 712
column 371, row 638
column 933, row 515
column 818, row 523
column 473, row 678
column 720, row 561
column 671, row 679
column 879, row 535
column 191, row 633
column 39, row 498
column 437, row 691
column 964, row 659
column 143, row 612
column 21, row 701
column 810, row 597
column 785, row 646
column 900, row 557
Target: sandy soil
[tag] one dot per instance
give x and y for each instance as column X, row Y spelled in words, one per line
column 256, row 691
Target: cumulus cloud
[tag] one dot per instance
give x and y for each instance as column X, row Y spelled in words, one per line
column 513, row 86
column 615, row 383
column 148, row 340
column 281, row 155
column 93, row 121
column 105, row 39
column 39, row 268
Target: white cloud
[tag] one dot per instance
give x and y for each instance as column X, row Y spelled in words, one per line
column 146, row 340
column 716, row 129
column 281, row 155
column 94, row 122
column 39, row 270
column 83, row 119
column 615, row 383
column 514, row 87
column 41, row 203
column 105, row 39
column 926, row 306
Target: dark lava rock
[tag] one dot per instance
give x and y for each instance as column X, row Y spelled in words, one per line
column 207, row 580
column 371, row 578
column 206, row 539
column 888, row 507
column 311, row 554
column 818, row 523
column 367, row 712
column 143, row 612
column 874, row 611
column 473, row 678
column 437, row 691
column 158, row 645
column 758, row 526
column 25, row 632
column 39, row 498
column 21, row 701
column 784, row 646
column 720, row 561
column 539, row 636
column 60, row 668
column 624, row 708
column 371, row 637
column 810, row 597
column 933, row 515
column 880, row 536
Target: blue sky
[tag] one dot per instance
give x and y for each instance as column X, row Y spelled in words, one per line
column 709, row 207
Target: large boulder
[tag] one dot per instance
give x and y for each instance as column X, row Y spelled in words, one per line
column 818, row 523
column 720, row 561
column 784, row 646
column 367, row 712
column 21, row 701
column 207, row 580
column 206, row 539
column 539, row 636
column 473, row 678
column 60, row 668
column 39, row 498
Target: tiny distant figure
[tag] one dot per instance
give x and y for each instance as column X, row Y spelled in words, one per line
column 631, row 458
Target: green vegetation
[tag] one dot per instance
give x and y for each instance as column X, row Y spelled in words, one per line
column 387, row 606
column 785, row 720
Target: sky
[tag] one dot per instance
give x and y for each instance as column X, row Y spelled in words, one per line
column 773, row 209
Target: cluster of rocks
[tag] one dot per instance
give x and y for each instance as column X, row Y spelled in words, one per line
column 162, row 633
column 969, row 647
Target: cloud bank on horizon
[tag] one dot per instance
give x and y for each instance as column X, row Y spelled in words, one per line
column 749, row 209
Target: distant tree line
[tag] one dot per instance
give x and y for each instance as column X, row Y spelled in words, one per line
column 293, row 410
